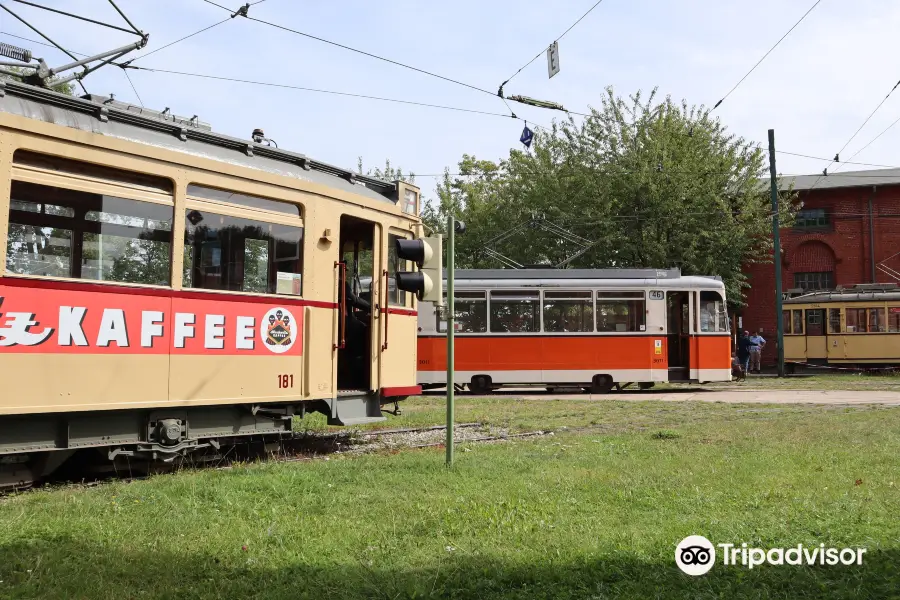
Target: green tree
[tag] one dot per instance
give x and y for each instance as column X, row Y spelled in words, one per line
column 651, row 183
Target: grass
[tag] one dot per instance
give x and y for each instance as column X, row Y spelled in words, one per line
column 594, row 511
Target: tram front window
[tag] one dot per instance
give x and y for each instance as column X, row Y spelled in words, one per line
column 713, row 315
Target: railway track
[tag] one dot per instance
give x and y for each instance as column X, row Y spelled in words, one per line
column 298, row 447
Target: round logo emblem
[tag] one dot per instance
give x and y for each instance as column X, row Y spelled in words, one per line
column 277, row 330
column 695, row 555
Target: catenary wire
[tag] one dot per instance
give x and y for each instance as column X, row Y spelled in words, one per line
column 847, row 143
column 358, row 51
column 128, row 77
column 765, row 55
column 557, row 39
column 179, row 40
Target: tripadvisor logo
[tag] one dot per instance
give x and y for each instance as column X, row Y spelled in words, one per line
column 696, row 555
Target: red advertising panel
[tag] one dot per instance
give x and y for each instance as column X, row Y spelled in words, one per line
column 91, row 319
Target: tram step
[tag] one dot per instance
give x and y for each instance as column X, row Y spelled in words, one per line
column 355, row 409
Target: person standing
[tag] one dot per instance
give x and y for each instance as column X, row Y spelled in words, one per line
column 756, row 351
column 744, row 345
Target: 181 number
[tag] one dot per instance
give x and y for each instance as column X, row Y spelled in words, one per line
column 285, row 381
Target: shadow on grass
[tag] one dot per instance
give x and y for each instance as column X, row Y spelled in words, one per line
column 63, row 567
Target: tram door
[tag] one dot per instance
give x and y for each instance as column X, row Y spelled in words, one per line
column 816, row 341
column 678, row 331
column 355, row 273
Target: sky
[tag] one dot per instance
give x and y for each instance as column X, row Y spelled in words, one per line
column 815, row 89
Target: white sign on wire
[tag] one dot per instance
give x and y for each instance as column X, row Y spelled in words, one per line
column 553, row 59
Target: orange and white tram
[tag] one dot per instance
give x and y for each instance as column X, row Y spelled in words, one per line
column 590, row 328
column 164, row 288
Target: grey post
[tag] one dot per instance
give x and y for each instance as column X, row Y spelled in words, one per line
column 776, row 239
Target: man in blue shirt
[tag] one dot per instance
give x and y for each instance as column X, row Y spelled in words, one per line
column 744, row 345
column 756, row 351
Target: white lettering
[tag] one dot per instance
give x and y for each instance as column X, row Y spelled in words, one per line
column 15, row 329
column 859, row 554
column 112, row 328
column 70, row 331
column 778, row 558
column 757, row 557
column 725, row 548
column 214, row 332
column 184, row 328
column 810, row 558
column 151, row 327
column 245, row 339
column 796, row 552
column 848, row 556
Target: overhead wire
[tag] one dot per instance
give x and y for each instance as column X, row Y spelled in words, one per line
column 321, row 91
column 178, row 40
column 847, row 143
column 759, row 62
column 557, row 39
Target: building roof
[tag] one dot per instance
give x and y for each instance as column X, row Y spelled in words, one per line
column 842, row 179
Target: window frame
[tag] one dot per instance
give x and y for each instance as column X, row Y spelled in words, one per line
column 810, row 223
column 82, row 176
column 587, row 294
column 629, row 296
column 242, row 212
column 823, row 276
column 533, row 294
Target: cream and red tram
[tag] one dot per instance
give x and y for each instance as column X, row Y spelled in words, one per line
column 165, row 287
column 595, row 329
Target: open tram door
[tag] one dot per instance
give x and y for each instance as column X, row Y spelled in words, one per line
column 678, row 334
column 356, row 317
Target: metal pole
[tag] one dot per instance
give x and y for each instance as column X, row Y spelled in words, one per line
column 776, row 238
column 451, row 329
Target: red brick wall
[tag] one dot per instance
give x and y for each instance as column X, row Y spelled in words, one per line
column 845, row 245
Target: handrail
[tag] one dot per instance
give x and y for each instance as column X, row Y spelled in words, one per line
column 342, row 306
column 387, row 307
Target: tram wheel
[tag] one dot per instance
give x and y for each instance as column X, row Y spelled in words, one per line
column 646, row 385
column 480, row 384
column 602, row 384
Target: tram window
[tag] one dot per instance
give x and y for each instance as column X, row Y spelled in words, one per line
column 216, row 195
column 59, row 232
column 568, row 311
column 396, row 297
column 856, row 320
column 798, row 322
column 876, row 320
column 242, row 255
column 834, row 320
column 470, row 309
column 713, row 314
column 515, row 312
column 620, row 315
column 894, row 319
column 786, row 321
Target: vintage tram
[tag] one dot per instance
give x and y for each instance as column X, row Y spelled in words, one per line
column 166, row 288
column 857, row 326
column 592, row 328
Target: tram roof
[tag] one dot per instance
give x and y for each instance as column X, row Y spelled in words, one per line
column 661, row 278
column 104, row 116
column 846, row 296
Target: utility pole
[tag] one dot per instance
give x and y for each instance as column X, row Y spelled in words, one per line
column 451, row 330
column 776, row 239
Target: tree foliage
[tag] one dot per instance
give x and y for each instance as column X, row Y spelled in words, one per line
column 650, row 183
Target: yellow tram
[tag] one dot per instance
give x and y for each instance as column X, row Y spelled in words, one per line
column 850, row 326
column 166, row 288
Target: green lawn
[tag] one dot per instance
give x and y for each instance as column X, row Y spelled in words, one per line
column 593, row 511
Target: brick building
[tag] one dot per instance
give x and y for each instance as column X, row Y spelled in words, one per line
column 847, row 232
